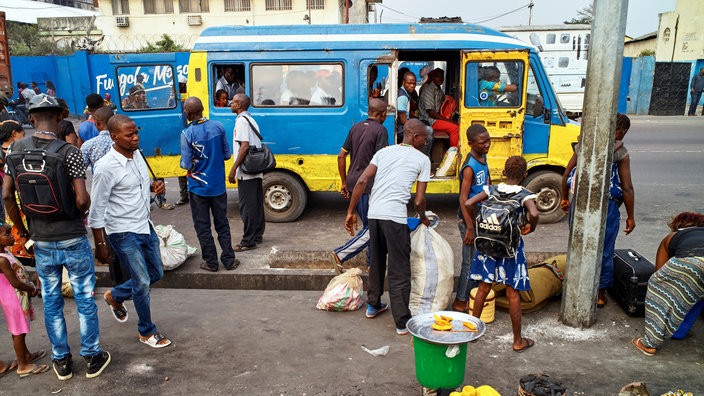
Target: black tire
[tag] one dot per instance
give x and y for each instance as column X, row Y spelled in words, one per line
column 285, row 197
column 548, row 186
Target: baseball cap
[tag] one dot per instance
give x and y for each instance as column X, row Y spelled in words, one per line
column 136, row 89
column 43, row 102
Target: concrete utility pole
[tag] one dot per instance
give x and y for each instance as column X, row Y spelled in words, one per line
column 586, row 240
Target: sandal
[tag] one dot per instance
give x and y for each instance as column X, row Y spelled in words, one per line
column 36, row 356
column 337, row 264
column 638, row 343
column 36, row 370
column 154, row 339
column 242, row 248
column 119, row 314
column 529, row 343
column 9, row 366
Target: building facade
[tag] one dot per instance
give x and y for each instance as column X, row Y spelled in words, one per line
column 128, row 25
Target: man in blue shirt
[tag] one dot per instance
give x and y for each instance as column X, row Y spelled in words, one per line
column 204, row 149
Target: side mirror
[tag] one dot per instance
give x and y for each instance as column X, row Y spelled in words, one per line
column 546, row 116
column 538, row 107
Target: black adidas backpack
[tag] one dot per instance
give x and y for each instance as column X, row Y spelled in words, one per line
column 41, row 180
column 498, row 223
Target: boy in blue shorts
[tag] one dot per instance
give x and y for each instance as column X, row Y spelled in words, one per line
column 473, row 177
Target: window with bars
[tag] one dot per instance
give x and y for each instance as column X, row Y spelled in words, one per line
column 193, row 6
column 237, row 5
column 276, row 5
column 158, row 6
column 316, row 4
column 120, row 7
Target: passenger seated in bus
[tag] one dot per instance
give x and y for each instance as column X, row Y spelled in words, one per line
column 221, row 98
column 268, row 102
column 490, row 87
column 232, row 81
column 297, row 91
column 327, row 89
column 376, row 89
column 404, row 106
column 431, row 100
column 137, row 99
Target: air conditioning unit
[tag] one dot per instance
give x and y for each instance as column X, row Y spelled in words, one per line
column 122, row 21
column 195, row 20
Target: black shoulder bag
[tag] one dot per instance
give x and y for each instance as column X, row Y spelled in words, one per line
column 258, row 159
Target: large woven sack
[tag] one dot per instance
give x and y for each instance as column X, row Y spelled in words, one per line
column 545, row 283
column 432, row 271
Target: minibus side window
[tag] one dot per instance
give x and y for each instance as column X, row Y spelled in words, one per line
column 535, row 104
column 227, row 82
column 378, row 81
column 146, row 87
column 498, row 84
column 299, row 85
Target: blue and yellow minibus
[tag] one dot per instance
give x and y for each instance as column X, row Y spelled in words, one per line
column 309, row 84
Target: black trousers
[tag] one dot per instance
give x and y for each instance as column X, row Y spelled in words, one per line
column 387, row 237
column 183, row 188
column 251, row 198
column 201, row 210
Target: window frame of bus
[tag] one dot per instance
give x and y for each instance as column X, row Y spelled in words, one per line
column 214, row 73
column 472, row 83
column 126, row 90
column 286, row 69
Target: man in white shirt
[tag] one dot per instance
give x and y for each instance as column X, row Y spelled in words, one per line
column 393, row 169
column 249, row 186
column 120, row 208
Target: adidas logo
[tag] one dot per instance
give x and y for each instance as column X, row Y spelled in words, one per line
column 491, row 223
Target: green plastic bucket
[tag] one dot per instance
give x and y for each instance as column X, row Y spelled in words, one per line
column 434, row 369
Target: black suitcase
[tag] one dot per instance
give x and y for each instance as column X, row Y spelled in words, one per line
column 631, row 274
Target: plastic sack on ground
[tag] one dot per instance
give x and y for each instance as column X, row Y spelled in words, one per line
column 448, row 166
column 432, row 271
column 343, row 293
column 173, row 247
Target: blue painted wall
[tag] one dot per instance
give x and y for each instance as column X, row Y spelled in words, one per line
column 75, row 76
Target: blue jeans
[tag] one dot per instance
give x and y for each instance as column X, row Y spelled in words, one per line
column 74, row 254
column 141, row 253
column 464, row 284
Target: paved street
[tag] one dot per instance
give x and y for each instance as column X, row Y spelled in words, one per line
column 271, row 341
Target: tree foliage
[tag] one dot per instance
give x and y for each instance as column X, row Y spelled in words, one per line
column 166, row 44
column 584, row 16
column 646, row 52
column 24, row 40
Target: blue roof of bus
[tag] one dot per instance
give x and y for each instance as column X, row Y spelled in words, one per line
column 358, row 36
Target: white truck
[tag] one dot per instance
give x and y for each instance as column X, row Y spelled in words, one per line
column 564, row 51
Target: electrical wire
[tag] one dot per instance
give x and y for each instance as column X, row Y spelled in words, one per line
column 501, row 15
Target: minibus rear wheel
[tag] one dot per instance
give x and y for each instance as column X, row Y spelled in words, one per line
column 285, row 197
column 547, row 185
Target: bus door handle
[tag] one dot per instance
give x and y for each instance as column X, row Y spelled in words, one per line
column 512, row 135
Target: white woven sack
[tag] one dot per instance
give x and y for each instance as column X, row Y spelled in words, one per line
column 172, row 246
column 432, row 271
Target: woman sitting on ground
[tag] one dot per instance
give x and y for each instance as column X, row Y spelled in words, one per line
column 678, row 283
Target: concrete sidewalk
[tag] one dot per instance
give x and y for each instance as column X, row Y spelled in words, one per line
column 238, row 342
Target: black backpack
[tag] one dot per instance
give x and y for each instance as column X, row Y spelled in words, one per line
column 498, row 224
column 41, row 180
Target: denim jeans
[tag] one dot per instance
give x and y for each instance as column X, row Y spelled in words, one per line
column 141, row 253
column 465, row 285
column 74, row 254
column 613, row 221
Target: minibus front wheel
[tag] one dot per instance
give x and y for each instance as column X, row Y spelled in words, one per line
column 285, row 197
column 547, row 185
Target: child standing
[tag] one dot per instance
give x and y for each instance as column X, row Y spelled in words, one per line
column 15, row 291
column 473, row 177
column 511, row 271
column 620, row 192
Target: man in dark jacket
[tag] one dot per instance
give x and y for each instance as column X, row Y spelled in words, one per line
column 696, row 88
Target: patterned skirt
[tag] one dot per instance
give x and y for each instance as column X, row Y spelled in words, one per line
column 510, row 271
column 672, row 291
